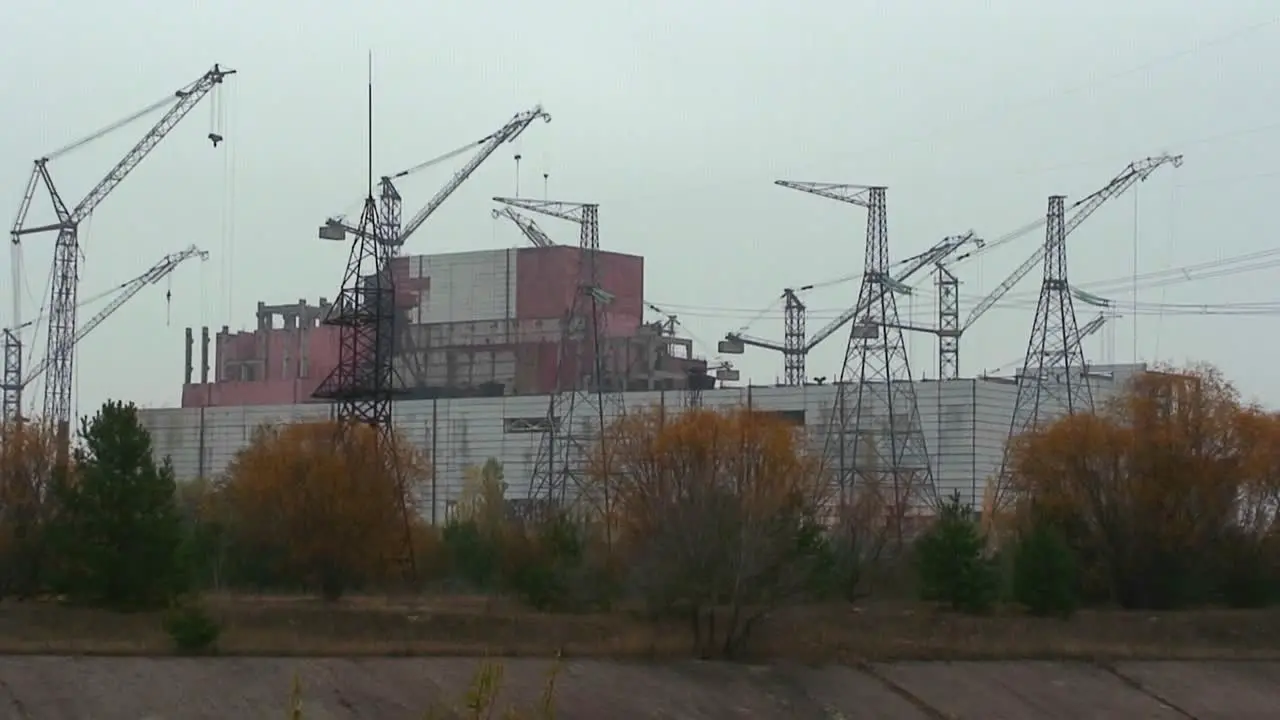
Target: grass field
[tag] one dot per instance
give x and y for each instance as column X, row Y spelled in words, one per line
column 381, row 626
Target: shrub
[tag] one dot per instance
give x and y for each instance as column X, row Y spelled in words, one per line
column 546, row 567
column 1248, row 577
column 950, row 562
column 192, row 628
column 1044, row 571
column 473, row 555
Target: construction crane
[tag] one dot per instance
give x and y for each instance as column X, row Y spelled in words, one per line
column 66, row 271
column 527, row 226
column 949, row 324
column 337, row 227
column 942, row 257
column 794, row 351
column 386, row 224
column 123, row 294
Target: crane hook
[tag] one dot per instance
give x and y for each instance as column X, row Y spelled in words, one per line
column 215, row 138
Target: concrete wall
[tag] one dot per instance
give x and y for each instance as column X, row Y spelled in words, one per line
column 463, row 287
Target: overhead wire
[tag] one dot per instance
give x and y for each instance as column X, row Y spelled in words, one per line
column 1226, row 267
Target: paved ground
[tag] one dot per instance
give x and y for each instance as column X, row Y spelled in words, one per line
column 133, row 688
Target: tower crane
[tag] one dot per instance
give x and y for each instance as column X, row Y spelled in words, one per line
column 734, row 342
column 66, row 260
column 123, row 294
column 527, row 226
column 390, row 232
column 386, row 229
column 950, row 327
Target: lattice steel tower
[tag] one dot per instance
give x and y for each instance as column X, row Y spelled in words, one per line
column 948, row 324
column 11, row 388
column 588, row 386
column 363, row 384
column 876, row 434
column 793, row 338
column 1053, row 373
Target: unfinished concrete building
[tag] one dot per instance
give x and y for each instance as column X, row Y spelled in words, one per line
column 471, row 324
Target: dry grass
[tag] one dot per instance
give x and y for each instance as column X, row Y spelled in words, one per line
column 471, row 626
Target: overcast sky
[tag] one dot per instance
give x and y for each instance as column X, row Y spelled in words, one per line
column 676, row 117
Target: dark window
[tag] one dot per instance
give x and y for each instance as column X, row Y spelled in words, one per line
column 791, row 417
column 526, row 425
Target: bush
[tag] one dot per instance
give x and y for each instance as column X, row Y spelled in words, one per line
column 473, row 555
column 1248, row 577
column 546, row 567
column 1044, row 571
column 192, row 628
column 951, row 565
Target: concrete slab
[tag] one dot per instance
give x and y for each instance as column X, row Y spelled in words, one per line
column 131, row 688
column 154, row 688
column 1024, row 690
column 1224, row 690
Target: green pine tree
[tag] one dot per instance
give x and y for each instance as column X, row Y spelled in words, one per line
column 951, row 564
column 119, row 533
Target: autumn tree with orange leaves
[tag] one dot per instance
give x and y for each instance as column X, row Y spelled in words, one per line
column 322, row 505
column 26, row 471
column 1168, row 494
column 713, row 509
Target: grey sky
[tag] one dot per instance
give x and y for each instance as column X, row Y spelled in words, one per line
column 676, row 118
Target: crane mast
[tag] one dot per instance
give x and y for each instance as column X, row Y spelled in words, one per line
column 66, row 270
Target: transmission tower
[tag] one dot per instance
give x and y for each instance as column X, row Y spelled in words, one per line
column 363, row 384
column 793, row 337
column 1054, row 376
column 588, row 390
column 876, row 420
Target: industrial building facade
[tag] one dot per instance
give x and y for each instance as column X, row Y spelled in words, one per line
column 965, row 423
column 484, row 323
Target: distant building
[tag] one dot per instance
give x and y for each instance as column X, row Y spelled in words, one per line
column 482, row 323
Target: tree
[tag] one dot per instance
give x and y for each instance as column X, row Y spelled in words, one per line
column 712, row 510
column 1044, row 570
column 26, row 471
column 117, row 531
column 203, row 531
column 323, row 504
column 1147, row 489
column 950, row 560
column 483, row 497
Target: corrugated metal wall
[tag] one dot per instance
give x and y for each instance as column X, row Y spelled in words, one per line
column 965, row 423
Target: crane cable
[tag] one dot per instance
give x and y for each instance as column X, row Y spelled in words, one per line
column 1226, row 267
